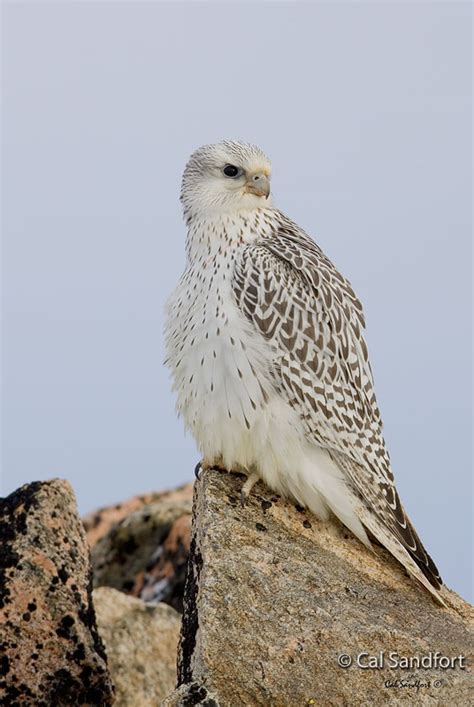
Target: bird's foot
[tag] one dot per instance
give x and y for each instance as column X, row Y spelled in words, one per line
column 247, row 487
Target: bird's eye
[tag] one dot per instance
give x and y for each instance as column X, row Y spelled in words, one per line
column 231, row 170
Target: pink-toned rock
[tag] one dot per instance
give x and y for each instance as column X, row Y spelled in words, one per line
column 100, row 522
column 141, row 547
column 51, row 652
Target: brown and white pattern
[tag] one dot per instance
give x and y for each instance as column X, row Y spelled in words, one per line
column 265, row 343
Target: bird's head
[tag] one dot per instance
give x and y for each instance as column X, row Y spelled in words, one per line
column 224, row 178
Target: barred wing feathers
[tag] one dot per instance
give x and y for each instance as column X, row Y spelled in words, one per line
column 308, row 312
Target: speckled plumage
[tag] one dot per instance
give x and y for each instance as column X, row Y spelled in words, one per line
column 265, row 344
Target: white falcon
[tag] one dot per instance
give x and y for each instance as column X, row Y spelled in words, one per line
column 265, row 344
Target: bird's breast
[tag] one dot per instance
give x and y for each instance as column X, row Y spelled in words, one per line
column 219, row 365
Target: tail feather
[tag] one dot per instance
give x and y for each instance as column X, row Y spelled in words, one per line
column 380, row 511
column 413, row 566
column 403, row 529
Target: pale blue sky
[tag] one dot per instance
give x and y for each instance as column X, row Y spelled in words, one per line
column 365, row 110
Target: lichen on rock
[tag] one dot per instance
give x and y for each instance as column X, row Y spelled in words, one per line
column 51, row 652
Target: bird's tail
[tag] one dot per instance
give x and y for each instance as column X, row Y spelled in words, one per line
column 385, row 517
column 425, row 574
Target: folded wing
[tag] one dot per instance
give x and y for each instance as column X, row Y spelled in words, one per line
column 295, row 298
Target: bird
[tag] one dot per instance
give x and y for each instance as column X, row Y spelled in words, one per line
column 265, row 345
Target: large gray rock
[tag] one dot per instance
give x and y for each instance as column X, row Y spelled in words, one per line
column 141, row 641
column 273, row 597
column 51, row 652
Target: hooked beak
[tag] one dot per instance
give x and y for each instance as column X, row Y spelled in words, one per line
column 258, row 184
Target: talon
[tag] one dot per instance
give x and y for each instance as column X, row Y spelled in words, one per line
column 197, row 470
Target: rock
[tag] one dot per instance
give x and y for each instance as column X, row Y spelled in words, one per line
column 141, row 640
column 99, row 523
column 191, row 694
column 273, row 597
column 141, row 547
column 51, row 652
